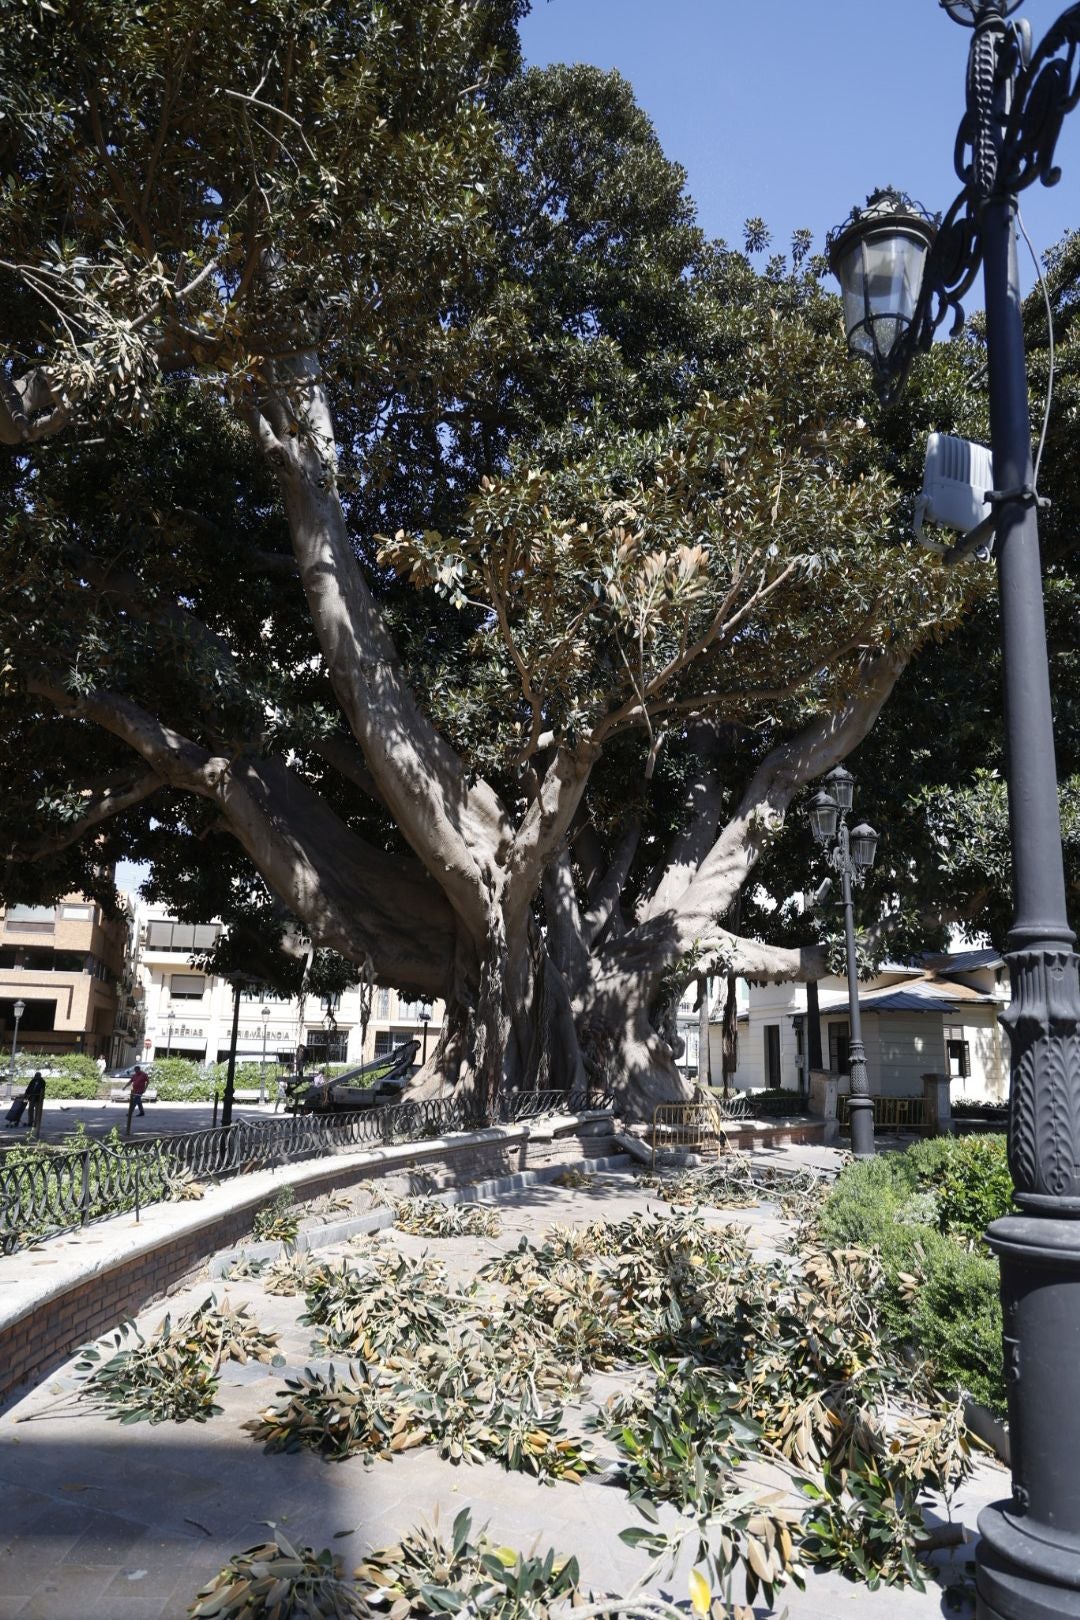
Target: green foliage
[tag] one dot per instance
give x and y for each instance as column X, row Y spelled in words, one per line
column 430, row 1217
column 942, row 1299
column 427, row 1573
column 973, row 1186
column 388, row 1303
column 164, row 1379
column 177, row 1079
column 221, row 1332
column 278, row 1221
column 77, row 1078
column 447, row 1396
column 277, row 1581
column 868, row 1527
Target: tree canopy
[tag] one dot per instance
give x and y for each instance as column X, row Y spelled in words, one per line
column 411, row 518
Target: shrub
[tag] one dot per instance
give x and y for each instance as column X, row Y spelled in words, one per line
column 941, row 1298
column 972, row 1185
column 77, row 1077
column 177, row 1079
column 955, row 1318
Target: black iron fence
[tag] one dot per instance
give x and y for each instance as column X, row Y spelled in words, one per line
column 47, row 1190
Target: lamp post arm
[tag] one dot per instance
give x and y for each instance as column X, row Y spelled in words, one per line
column 1006, row 141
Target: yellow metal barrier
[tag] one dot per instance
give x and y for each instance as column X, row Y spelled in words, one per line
column 687, row 1127
column 891, row 1113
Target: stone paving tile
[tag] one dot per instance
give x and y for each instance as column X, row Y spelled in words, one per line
column 64, row 1592
column 108, row 1540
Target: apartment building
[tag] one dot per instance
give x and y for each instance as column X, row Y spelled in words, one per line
column 69, row 967
column 189, row 1012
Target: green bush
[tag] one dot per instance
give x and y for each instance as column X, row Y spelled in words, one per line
column 180, row 1080
column 78, row 1076
column 972, row 1185
column 942, row 1300
column 954, row 1317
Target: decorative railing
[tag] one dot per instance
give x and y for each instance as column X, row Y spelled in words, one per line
column 47, row 1190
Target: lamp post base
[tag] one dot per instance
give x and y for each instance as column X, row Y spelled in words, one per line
column 861, row 1116
column 1006, row 1591
column 1028, row 1560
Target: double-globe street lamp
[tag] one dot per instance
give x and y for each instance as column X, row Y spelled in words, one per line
column 901, row 273
column 851, row 857
column 262, row 1065
column 18, row 1009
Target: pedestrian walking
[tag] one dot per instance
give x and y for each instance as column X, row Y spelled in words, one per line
column 35, row 1098
column 138, row 1084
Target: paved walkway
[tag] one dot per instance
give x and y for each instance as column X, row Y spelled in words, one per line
column 100, row 1521
column 60, row 1119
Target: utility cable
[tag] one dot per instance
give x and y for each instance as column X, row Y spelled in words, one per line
column 1050, row 334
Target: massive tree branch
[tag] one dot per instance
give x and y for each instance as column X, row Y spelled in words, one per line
column 787, row 768
column 544, row 826
column 102, row 802
column 456, row 828
column 606, row 892
column 354, row 898
column 701, row 816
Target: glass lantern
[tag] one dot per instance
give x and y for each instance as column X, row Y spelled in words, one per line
column 864, row 842
column 824, row 813
column 878, row 256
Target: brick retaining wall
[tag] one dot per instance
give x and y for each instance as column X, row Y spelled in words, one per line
column 35, row 1341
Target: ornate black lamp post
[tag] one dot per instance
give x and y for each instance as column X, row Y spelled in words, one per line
column 18, row 1009
column 262, row 1065
column 424, row 1015
column 1029, row 1557
column 851, row 856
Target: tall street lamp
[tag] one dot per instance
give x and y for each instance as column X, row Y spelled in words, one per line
column 901, row 273
column 262, row 1065
column 424, row 1015
column 170, row 1019
column 18, row 1009
column 851, row 856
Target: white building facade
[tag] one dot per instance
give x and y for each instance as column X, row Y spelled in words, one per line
column 189, row 1013
column 940, row 1017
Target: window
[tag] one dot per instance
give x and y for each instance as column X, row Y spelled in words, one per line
column 76, row 913
column 839, row 1040
column 384, row 1042
column 30, row 919
column 187, row 986
column 772, row 1054
column 958, row 1053
column 382, row 1005
column 175, row 936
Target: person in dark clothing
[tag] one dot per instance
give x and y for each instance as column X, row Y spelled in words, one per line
column 35, row 1097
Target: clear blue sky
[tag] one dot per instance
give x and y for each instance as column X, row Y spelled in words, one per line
column 795, row 110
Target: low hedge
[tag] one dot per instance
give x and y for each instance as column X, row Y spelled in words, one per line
column 78, row 1076
column 924, row 1211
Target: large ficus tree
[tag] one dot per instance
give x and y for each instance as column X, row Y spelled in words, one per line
column 409, row 514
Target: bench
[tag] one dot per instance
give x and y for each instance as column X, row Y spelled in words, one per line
column 122, row 1094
